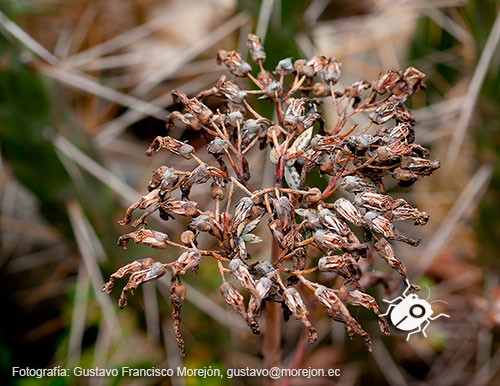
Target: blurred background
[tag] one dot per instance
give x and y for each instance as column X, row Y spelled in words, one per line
column 85, row 86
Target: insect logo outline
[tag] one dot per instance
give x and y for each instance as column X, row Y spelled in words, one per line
column 412, row 313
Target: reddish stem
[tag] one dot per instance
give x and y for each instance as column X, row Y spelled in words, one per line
column 271, row 349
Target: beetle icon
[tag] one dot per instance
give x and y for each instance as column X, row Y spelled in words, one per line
column 411, row 313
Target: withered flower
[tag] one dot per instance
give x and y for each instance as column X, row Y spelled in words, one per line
column 234, row 63
column 142, row 271
column 357, row 160
column 296, row 305
column 145, row 236
column 177, row 296
column 338, row 311
column 189, row 260
column 256, row 48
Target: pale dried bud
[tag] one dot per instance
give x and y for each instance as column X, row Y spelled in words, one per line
column 331, row 72
column 255, row 48
column 240, row 270
column 380, row 224
column 242, row 210
column 144, row 236
column 327, row 239
column 338, row 311
column 217, row 147
column 357, row 185
column 348, row 211
column 234, row 63
column 284, row 67
column 233, row 298
column 189, row 260
column 294, row 302
column 343, row 265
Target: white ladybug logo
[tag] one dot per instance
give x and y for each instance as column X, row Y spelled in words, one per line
column 411, row 313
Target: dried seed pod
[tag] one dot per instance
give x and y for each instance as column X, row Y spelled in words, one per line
column 420, row 166
column 284, row 67
column 314, row 195
column 177, row 147
column 385, row 251
column 230, row 91
column 217, row 192
column 348, row 211
column 181, row 208
column 330, row 221
column 389, row 110
column 189, row 260
column 203, row 223
column 217, row 147
column 380, row 224
column 265, row 269
column 242, row 210
column 404, row 211
column 188, row 238
column 233, row 298
column 357, row 185
column 386, row 82
column 255, row 303
column 327, row 239
column 234, row 63
column 135, row 266
column 177, row 296
column 199, row 175
column 285, row 212
column 338, row 311
column 331, row 72
column 343, row 265
column 145, row 236
column 256, row 49
column 146, row 275
column 169, row 179
column 320, row 90
column 296, row 305
column 355, row 297
column 240, row 270
column 374, row 201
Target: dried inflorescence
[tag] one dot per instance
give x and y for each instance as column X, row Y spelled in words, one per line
column 304, row 221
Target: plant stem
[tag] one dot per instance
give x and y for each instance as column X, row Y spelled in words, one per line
column 271, row 349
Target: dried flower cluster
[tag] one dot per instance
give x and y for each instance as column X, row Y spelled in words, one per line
column 305, row 222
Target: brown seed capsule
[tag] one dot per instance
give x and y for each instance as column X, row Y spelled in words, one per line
column 234, row 63
column 331, row 72
column 146, row 275
column 348, row 211
column 233, row 298
column 299, row 310
column 314, row 195
column 240, row 270
column 343, row 265
column 189, row 260
column 338, row 311
column 177, row 296
column 356, row 298
column 217, row 192
column 380, row 224
column 256, row 49
column 145, row 236
column 188, row 238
